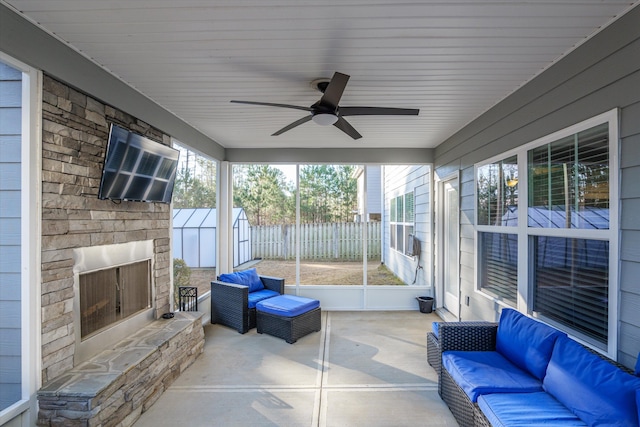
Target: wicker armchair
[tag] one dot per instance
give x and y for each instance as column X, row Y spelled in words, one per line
column 230, row 303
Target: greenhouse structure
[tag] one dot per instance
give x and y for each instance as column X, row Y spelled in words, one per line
column 194, row 236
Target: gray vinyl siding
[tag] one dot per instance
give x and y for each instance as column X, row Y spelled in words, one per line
column 629, row 333
column 399, row 180
column 10, row 239
column 374, row 203
column 600, row 75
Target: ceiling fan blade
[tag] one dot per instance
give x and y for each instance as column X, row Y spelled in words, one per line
column 378, row 111
column 271, row 104
column 333, row 92
column 298, row 122
column 345, row 127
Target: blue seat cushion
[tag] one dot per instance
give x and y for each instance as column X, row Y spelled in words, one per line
column 435, row 329
column 257, row 296
column 526, row 342
column 484, row 372
column 287, row 305
column 595, row 390
column 526, row 409
column 248, row 278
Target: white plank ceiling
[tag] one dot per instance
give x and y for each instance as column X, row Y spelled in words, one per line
column 451, row 59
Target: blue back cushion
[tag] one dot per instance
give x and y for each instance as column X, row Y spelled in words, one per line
column 526, row 342
column 592, row 388
column 248, row 278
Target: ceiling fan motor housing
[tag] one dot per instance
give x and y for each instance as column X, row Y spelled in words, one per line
column 320, row 84
column 326, row 112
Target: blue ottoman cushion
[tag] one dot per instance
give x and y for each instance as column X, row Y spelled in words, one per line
column 526, row 409
column 484, row 372
column 287, row 305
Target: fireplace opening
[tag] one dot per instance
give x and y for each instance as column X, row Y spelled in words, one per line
column 112, row 295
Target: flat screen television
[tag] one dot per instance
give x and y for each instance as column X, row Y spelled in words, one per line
column 137, row 168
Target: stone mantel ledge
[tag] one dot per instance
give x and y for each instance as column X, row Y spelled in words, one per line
column 136, row 369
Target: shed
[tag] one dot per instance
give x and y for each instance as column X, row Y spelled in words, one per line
column 194, row 236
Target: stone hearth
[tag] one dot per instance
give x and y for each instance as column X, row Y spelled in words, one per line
column 116, row 386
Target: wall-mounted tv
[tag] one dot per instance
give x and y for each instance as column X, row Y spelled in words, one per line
column 137, row 168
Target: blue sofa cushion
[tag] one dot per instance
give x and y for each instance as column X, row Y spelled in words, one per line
column 483, row 372
column 287, row 305
column 526, row 342
column 435, row 329
column 526, row 409
column 257, row 296
column 248, row 278
column 596, row 391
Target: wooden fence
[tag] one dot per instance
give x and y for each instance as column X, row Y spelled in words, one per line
column 327, row 241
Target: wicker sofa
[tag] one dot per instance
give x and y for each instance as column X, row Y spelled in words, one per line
column 234, row 297
column 522, row 372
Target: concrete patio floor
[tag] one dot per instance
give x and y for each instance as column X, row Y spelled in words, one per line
column 362, row 369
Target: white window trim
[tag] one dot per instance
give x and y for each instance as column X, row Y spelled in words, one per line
column 31, row 242
column 525, row 300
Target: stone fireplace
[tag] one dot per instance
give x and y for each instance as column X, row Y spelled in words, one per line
column 81, row 233
column 110, row 365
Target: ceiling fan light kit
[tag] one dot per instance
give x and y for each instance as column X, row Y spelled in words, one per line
column 326, row 111
column 324, row 119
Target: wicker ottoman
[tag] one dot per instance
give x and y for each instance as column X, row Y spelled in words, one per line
column 288, row 317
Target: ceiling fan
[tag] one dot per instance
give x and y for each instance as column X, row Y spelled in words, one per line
column 327, row 112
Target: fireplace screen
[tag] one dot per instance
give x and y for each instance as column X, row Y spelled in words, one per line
column 111, row 295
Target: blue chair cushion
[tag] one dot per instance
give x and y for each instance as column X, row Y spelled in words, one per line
column 526, row 342
column 257, row 296
column 596, row 391
column 248, row 278
column 526, row 409
column 483, row 372
column 435, row 329
column 287, row 305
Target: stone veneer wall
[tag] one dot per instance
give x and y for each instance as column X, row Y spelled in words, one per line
column 75, row 129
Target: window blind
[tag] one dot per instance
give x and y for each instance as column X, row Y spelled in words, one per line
column 499, row 265
column 571, row 283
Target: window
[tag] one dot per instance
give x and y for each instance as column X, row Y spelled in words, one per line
column 569, row 191
column 401, row 220
column 499, row 265
column 497, row 213
column 571, row 283
column 561, row 263
column 569, row 182
column 497, row 185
